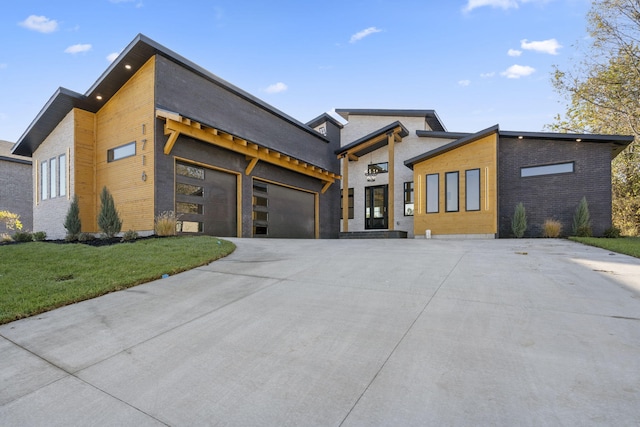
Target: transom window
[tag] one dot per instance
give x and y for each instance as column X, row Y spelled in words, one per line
column 121, row 152
column 546, row 169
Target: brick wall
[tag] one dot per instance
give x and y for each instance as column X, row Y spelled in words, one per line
column 554, row 196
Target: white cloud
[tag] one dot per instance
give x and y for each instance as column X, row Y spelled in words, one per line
column 503, row 4
column 550, row 46
column 464, row 83
column 276, row 88
column 516, row 71
column 112, row 56
column 41, row 24
column 364, row 33
column 514, row 52
column 488, row 75
column 78, row 48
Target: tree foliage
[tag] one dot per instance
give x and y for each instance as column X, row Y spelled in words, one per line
column 72, row 222
column 519, row 221
column 582, row 219
column 10, row 220
column 603, row 93
column 108, row 219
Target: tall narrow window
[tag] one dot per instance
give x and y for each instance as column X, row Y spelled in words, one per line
column 472, row 190
column 433, row 184
column 53, row 175
column 44, row 180
column 62, row 160
column 452, row 191
column 350, row 202
column 408, row 198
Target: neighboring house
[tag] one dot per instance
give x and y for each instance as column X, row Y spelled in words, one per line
column 163, row 134
column 404, row 172
column 15, row 187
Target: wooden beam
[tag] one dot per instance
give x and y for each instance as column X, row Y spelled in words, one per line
column 252, row 164
column 326, row 186
column 345, row 194
column 173, row 137
column 390, row 215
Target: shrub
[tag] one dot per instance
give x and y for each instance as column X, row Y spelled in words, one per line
column 39, row 236
column 612, row 232
column 108, row 219
column 5, row 238
column 582, row 220
column 165, row 223
column 551, row 228
column 85, row 237
column 10, row 220
column 519, row 222
column 129, row 236
column 23, row 236
column 72, row 222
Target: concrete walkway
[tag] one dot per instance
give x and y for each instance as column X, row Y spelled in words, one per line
column 352, row 332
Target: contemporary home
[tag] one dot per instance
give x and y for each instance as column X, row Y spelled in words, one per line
column 163, row 134
column 15, row 186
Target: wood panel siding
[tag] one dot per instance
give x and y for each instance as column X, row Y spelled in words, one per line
column 480, row 154
column 83, row 183
column 129, row 117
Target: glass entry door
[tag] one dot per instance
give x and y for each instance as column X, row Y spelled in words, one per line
column 375, row 205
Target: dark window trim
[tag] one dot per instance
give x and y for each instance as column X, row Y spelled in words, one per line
column 446, row 188
column 466, row 190
column 437, row 175
column 523, row 168
column 111, row 152
column 412, row 202
column 378, row 168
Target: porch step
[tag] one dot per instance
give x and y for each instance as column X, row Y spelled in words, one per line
column 374, row 234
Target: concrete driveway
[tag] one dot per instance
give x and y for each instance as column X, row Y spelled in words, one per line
column 351, row 332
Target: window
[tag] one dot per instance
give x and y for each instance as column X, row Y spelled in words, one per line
column 189, row 171
column 62, row 167
column 189, row 208
column 408, row 198
column 350, row 202
column 52, row 179
column 472, row 190
column 433, row 188
column 378, row 167
column 44, row 180
column 189, row 190
column 121, row 152
column 189, row 227
column 546, row 169
column 451, row 187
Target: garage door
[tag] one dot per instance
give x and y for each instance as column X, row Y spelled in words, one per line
column 282, row 212
column 206, row 200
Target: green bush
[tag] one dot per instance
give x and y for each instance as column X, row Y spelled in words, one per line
column 72, row 222
column 612, row 232
column 129, row 236
column 85, row 237
column 519, row 222
column 39, row 236
column 108, row 219
column 582, row 220
column 23, row 236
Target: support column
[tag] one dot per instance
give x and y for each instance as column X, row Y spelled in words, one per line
column 345, row 193
column 391, row 139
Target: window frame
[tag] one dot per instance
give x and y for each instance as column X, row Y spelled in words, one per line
column 112, row 152
column 447, row 199
column 62, row 175
column 466, row 190
column 44, row 180
column 539, row 170
column 53, row 178
column 437, row 191
column 408, row 188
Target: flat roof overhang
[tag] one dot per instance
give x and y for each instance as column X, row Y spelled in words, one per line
column 373, row 141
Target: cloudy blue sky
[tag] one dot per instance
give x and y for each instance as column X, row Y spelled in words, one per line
column 476, row 62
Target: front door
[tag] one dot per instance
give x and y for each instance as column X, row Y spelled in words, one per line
column 375, row 206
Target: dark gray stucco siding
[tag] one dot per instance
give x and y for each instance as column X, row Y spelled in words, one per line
column 554, row 196
column 16, row 192
column 182, row 91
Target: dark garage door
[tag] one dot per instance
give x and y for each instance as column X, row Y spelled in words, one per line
column 282, row 212
column 206, row 200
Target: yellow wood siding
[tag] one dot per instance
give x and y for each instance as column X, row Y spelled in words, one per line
column 480, row 154
column 129, row 117
column 84, row 184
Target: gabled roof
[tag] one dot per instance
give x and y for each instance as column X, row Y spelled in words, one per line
column 451, row 146
column 430, row 116
column 324, row 117
column 5, row 154
column 136, row 54
column 373, row 141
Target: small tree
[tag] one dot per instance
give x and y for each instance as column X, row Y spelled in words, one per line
column 10, row 220
column 582, row 219
column 72, row 222
column 108, row 219
column 519, row 222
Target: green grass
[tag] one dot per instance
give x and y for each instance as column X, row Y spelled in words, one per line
column 623, row 245
column 40, row 276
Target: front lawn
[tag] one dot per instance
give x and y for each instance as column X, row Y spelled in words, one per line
column 623, row 245
column 40, row 276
